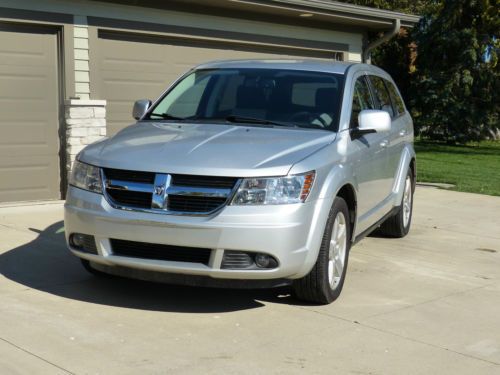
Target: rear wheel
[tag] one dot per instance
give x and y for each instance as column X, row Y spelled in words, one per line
column 398, row 226
column 325, row 281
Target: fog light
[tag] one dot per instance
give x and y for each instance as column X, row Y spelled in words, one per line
column 77, row 240
column 83, row 242
column 262, row 260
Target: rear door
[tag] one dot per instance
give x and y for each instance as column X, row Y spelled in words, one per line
column 399, row 130
column 386, row 99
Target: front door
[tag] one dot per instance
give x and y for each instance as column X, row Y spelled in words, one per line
column 369, row 155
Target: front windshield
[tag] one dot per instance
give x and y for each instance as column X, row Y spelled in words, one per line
column 268, row 97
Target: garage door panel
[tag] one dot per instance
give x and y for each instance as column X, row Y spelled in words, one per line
column 142, row 68
column 24, row 178
column 18, row 138
column 29, row 89
column 15, row 54
column 29, row 142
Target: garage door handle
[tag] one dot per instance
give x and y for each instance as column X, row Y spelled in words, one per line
column 384, row 143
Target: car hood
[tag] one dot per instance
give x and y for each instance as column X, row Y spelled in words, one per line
column 207, row 149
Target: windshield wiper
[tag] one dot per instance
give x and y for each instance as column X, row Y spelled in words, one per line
column 166, row 116
column 252, row 120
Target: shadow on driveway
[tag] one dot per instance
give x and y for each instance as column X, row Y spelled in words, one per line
column 45, row 264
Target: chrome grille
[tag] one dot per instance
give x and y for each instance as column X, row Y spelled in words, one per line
column 165, row 193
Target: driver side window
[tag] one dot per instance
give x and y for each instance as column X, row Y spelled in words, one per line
column 361, row 100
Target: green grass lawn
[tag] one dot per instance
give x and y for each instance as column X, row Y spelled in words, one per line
column 472, row 168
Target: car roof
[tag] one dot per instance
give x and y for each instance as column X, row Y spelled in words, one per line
column 282, row 64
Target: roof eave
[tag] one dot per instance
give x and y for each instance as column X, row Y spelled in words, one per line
column 369, row 17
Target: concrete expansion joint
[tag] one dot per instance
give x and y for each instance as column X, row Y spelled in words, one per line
column 457, row 293
column 482, row 235
column 36, row 356
column 428, row 344
column 365, row 325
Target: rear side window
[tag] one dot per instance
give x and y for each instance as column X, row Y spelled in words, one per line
column 361, row 100
column 382, row 97
column 397, row 102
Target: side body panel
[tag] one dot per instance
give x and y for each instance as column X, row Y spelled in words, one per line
column 376, row 173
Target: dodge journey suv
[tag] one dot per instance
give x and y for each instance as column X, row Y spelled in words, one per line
column 248, row 173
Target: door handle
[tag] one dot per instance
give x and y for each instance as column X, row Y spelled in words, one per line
column 402, row 133
column 384, row 143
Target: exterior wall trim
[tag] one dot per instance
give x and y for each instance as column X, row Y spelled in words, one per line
column 339, row 9
column 212, row 34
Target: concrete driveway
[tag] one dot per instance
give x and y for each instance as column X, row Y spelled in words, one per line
column 426, row 304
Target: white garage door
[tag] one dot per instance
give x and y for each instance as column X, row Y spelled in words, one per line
column 131, row 67
column 29, row 119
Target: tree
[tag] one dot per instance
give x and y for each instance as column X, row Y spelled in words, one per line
column 447, row 67
column 397, row 56
column 456, row 86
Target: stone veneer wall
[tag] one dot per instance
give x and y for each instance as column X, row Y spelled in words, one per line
column 85, row 124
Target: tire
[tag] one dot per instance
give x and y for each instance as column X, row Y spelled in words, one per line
column 398, row 226
column 324, row 283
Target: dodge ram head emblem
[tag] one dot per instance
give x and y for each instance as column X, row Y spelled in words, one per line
column 160, row 191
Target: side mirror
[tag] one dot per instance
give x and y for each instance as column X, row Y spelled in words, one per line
column 140, row 108
column 373, row 121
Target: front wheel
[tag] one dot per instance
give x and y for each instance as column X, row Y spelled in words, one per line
column 325, row 281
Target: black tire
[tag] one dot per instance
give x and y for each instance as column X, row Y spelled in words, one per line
column 395, row 226
column 88, row 267
column 315, row 286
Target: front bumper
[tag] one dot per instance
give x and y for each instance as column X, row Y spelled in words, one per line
column 290, row 233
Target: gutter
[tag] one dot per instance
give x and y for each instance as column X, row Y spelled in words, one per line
column 396, row 26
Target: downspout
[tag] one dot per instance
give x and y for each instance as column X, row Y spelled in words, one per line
column 396, row 26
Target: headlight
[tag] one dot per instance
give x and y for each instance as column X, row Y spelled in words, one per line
column 86, row 176
column 274, row 190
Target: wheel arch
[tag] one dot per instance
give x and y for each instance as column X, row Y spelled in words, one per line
column 407, row 162
column 413, row 168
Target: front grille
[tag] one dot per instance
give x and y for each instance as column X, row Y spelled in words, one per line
column 131, row 198
column 176, row 193
column 145, row 250
column 203, row 181
column 180, row 203
column 124, row 175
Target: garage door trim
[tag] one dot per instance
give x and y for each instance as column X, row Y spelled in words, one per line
column 22, row 26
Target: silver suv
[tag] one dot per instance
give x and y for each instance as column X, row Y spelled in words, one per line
column 256, row 173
